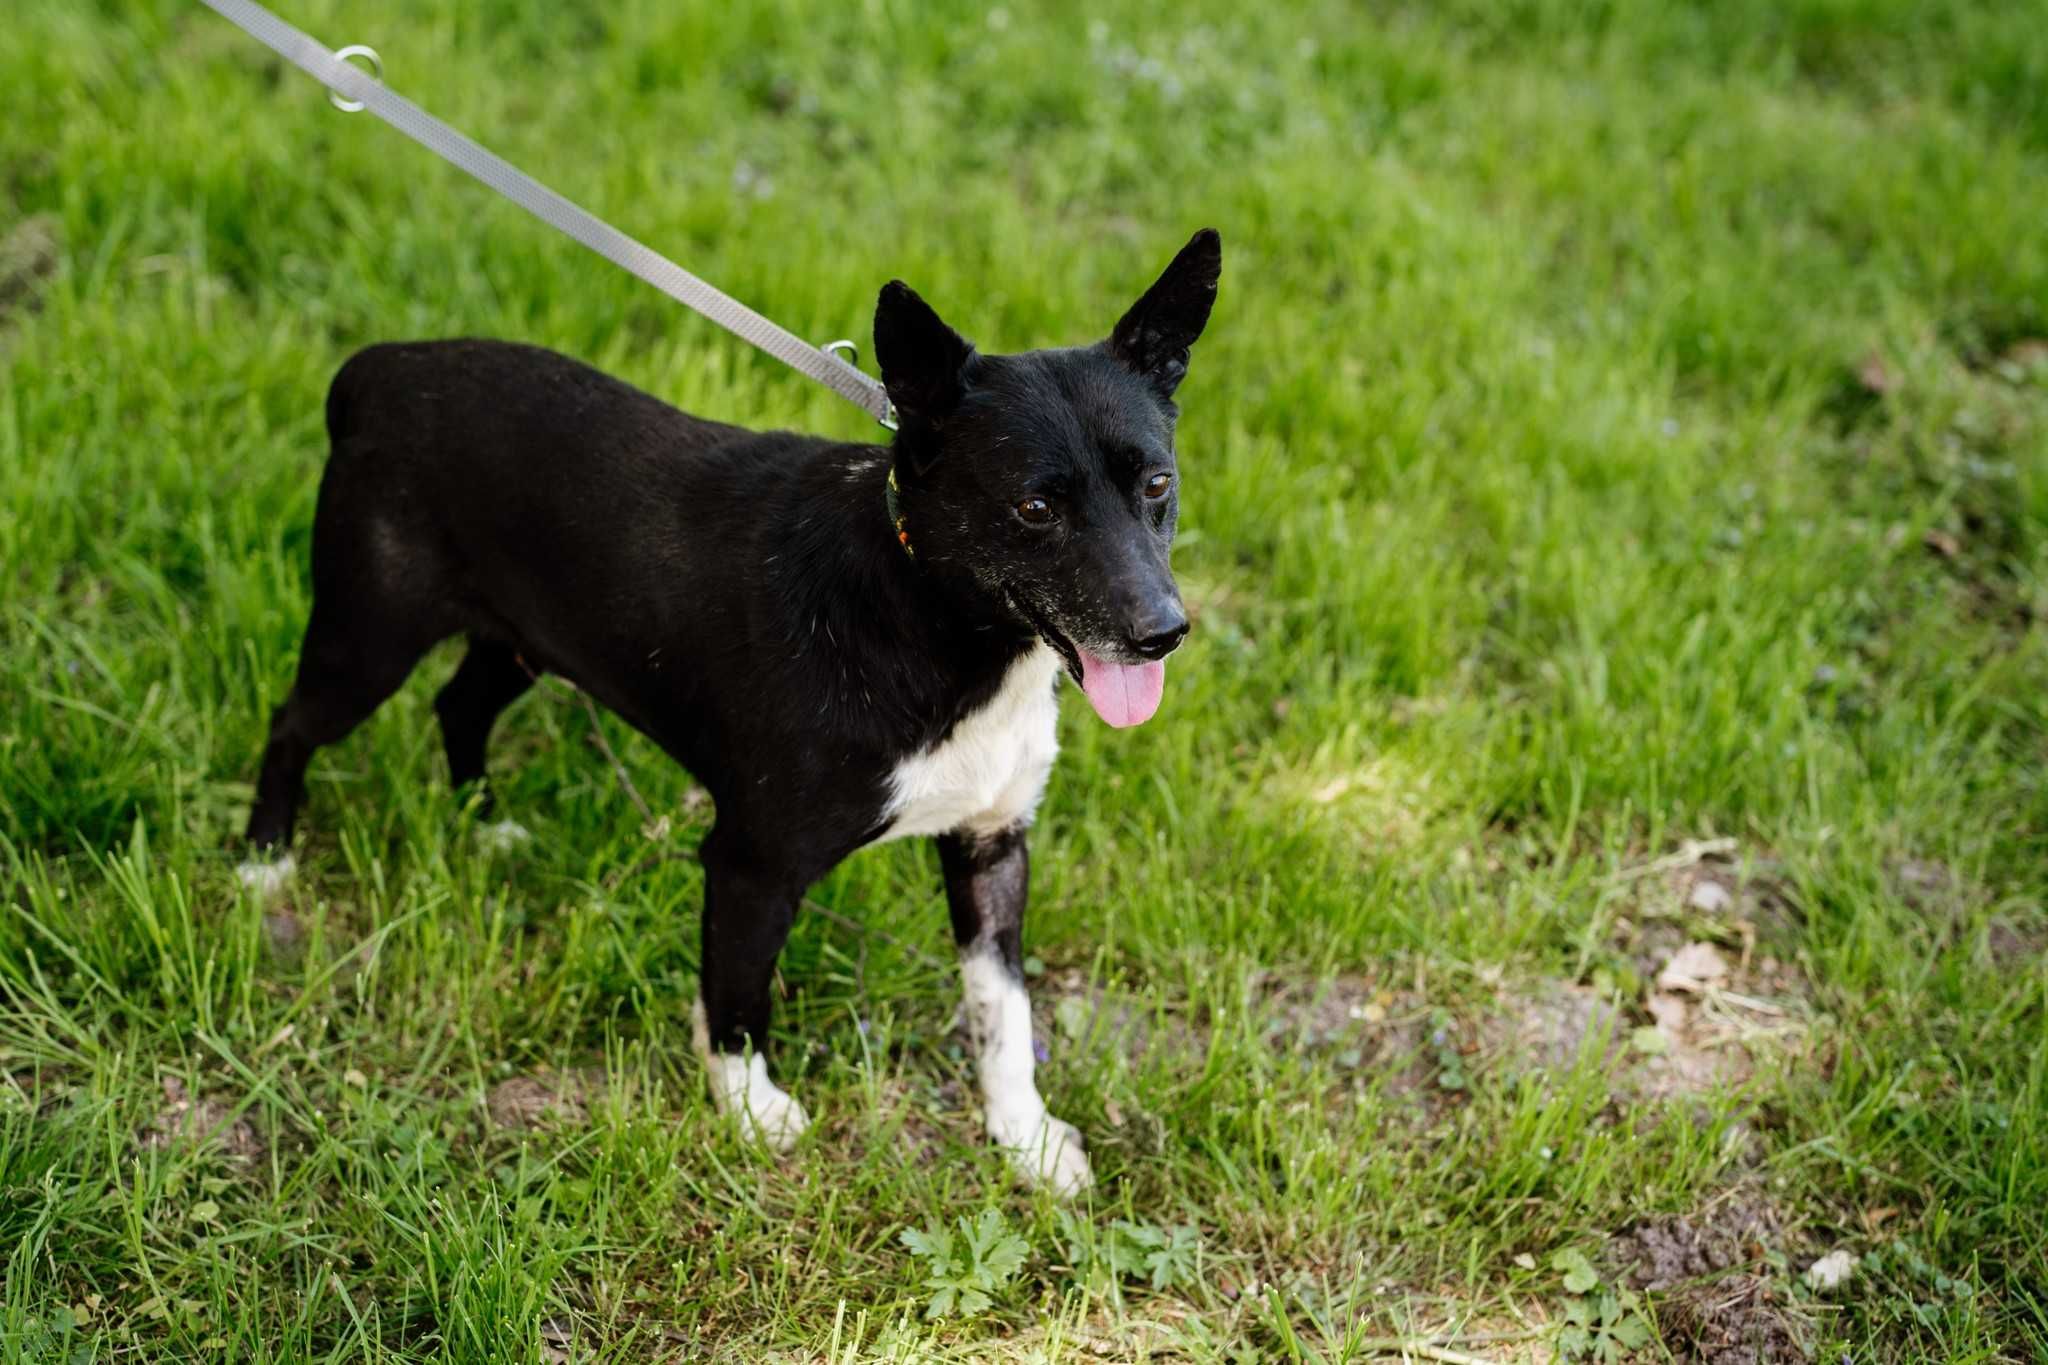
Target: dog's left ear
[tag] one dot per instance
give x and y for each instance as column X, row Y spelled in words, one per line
column 1154, row 338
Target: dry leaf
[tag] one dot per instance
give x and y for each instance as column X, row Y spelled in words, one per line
column 1670, row 1012
column 557, row 1337
column 1693, row 969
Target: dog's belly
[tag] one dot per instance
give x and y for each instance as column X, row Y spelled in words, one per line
column 987, row 775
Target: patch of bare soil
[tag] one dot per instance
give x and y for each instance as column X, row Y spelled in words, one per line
column 29, row 253
column 1924, row 883
column 1713, row 1005
column 1703, row 884
column 2013, row 944
column 1705, row 1021
column 1354, row 1022
column 1550, row 1024
column 1710, row 1279
column 928, row 1113
column 548, row 1099
column 201, row 1122
column 2012, row 938
column 1072, row 1014
column 1701, row 1026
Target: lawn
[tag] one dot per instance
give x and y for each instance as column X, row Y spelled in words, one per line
column 1589, row 868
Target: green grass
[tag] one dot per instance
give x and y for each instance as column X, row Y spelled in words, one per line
column 1616, row 428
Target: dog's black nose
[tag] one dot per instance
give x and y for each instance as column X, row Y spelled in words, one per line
column 1161, row 633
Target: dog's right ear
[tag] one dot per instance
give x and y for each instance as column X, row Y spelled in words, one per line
column 924, row 362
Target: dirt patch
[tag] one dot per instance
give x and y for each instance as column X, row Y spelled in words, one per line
column 1706, row 1020
column 549, row 1099
column 2012, row 944
column 1550, row 1024
column 1952, row 904
column 1688, row 1036
column 1356, row 1023
column 1073, row 1015
column 1925, row 884
column 1687, row 1048
column 1710, row 1280
column 29, row 253
column 186, row 1121
column 927, row 1113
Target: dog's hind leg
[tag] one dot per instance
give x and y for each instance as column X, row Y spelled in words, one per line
column 347, row 667
column 748, row 910
column 490, row 679
column 988, row 878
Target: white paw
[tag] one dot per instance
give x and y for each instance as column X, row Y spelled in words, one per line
column 772, row 1117
column 740, row 1086
column 1046, row 1151
column 503, row 836
column 267, row 877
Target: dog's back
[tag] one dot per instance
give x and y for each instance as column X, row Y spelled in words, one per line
column 498, row 458
column 516, row 495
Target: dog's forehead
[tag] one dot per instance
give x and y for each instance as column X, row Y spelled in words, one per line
column 1075, row 404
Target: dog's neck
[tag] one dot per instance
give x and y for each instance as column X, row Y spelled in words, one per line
column 921, row 623
column 892, row 503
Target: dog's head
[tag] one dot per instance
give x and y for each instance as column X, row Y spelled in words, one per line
column 1047, row 480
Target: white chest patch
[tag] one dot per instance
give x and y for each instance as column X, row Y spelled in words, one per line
column 988, row 774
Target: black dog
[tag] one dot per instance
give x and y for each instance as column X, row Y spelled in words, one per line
column 844, row 643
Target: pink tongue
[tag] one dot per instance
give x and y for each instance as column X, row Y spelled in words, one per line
column 1122, row 694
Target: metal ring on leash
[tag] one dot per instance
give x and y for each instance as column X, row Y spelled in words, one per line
column 348, row 106
column 848, row 351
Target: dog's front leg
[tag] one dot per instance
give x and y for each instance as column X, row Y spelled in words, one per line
column 987, row 879
column 748, row 910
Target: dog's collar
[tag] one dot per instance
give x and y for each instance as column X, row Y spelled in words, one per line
column 896, row 517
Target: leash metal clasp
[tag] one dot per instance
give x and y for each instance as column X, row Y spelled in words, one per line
column 848, row 351
column 334, row 97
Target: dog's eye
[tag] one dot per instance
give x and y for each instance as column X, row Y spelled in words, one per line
column 1156, row 486
column 1035, row 511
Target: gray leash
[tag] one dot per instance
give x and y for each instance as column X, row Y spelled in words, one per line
column 353, row 89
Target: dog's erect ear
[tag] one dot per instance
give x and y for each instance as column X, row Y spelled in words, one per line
column 1154, row 338
column 923, row 360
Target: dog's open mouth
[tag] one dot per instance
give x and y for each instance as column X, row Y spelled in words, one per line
column 1122, row 694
